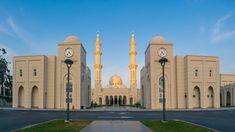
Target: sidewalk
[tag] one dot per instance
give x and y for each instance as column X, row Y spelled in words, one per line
column 116, row 126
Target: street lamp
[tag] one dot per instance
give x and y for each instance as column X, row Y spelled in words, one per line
column 69, row 63
column 163, row 61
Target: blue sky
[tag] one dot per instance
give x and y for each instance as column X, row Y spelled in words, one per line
column 200, row 27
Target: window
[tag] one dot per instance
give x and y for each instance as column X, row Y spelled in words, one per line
column 21, row 73
column 34, row 72
column 210, row 73
column 161, row 90
column 196, row 73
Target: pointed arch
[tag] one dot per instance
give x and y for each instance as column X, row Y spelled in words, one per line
column 131, row 101
column 100, row 100
column 228, row 98
column 210, row 97
column 35, row 97
column 196, row 97
column 160, row 88
column 21, row 96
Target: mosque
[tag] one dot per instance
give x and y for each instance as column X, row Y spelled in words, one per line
column 116, row 93
column 192, row 81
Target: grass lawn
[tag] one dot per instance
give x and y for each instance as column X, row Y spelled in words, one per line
column 58, row 126
column 173, row 126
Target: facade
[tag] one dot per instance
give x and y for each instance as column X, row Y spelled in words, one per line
column 115, row 93
column 227, row 90
column 39, row 81
column 191, row 81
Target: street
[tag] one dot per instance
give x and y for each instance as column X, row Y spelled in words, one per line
column 221, row 120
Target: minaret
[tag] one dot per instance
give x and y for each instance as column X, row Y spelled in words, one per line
column 97, row 65
column 133, row 66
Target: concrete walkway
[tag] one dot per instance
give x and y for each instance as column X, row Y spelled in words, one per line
column 116, row 126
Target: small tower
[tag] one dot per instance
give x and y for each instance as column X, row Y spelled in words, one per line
column 97, row 65
column 133, row 66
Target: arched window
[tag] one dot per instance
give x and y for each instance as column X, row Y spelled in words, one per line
column 210, row 73
column 21, row 73
column 70, row 86
column 161, row 89
column 196, row 73
column 35, row 72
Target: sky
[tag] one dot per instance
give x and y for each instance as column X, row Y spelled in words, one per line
column 195, row 27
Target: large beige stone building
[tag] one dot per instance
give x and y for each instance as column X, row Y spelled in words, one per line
column 227, row 90
column 39, row 81
column 115, row 93
column 192, row 81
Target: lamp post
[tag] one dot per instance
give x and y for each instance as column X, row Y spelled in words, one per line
column 163, row 61
column 69, row 63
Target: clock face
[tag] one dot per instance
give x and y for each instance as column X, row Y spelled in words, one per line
column 68, row 52
column 162, row 52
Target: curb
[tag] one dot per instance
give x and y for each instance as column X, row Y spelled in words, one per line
column 29, row 126
column 197, row 125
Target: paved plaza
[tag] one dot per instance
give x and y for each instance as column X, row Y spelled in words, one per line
column 116, row 126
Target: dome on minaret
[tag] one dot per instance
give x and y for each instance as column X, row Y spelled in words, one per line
column 72, row 40
column 115, row 81
column 158, row 40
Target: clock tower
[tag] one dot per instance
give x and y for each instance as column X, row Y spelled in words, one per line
column 158, row 48
column 71, row 48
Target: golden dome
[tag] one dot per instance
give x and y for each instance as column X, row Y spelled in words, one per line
column 115, row 81
column 72, row 39
column 158, row 40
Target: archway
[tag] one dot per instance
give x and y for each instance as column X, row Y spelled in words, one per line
column 220, row 99
column 124, row 100
column 35, row 97
column 21, row 97
column 131, row 101
column 210, row 97
column 107, row 100
column 196, row 97
column 115, row 100
column 100, row 101
column 228, row 98
column 142, row 95
column 111, row 100
column 120, row 100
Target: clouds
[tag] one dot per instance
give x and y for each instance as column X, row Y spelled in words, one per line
column 9, row 55
column 9, row 27
column 218, row 33
column 17, row 30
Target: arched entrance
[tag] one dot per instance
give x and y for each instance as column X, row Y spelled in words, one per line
column 107, row 100
column 100, row 101
column 124, row 100
column 111, row 100
column 196, row 97
column 220, row 99
column 120, row 100
column 131, row 101
column 35, row 97
column 228, row 98
column 142, row 95
column 21, row 97
column 115, row 100
column 210, row 97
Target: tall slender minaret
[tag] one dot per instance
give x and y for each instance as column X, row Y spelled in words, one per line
column 133, row 66
column 97, row 65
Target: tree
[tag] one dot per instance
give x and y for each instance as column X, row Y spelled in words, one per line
column 5, row 77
